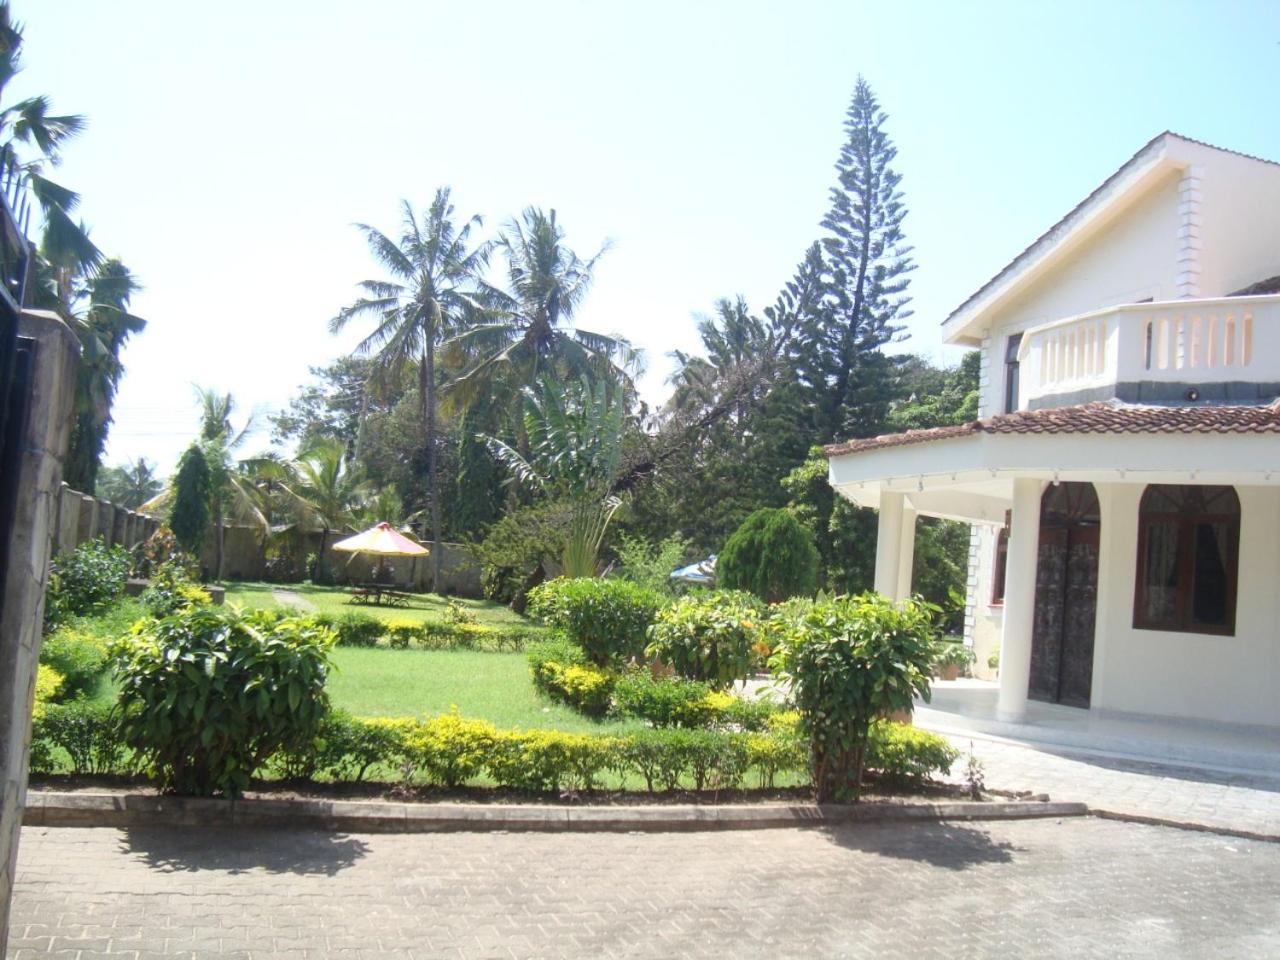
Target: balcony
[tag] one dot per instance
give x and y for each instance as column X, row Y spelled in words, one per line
column 1174, row 351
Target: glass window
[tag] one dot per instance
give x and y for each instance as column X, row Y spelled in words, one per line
column 1012, row 377
column 1188, row 550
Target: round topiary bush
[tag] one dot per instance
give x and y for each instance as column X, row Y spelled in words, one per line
column 607, row 618
column 210, row 693
column 771, row 555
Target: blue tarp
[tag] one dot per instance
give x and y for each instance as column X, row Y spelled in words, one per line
column 703, row 572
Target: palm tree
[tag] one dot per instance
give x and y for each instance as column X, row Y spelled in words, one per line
column 325, row 492
column 232, row 490
column 435, row 269
column 524, row 332
column 95, row 304
column 30, row 138
column 131, row 485
column 575, row 434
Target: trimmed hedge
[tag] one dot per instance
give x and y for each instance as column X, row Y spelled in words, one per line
column 450, row 751
column 355, row 629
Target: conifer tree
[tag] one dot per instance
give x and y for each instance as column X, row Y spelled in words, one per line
column 865, row 266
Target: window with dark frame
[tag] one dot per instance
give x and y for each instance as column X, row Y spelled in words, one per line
column 1012, row 377
column 1188, row 559
column 1001, row 564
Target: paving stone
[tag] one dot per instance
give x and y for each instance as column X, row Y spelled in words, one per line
column 1072, row 888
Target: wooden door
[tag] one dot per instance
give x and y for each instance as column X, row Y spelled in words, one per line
column 1066, row 603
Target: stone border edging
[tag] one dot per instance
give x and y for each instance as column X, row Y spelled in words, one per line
column 127, row 810
column 1195, row 825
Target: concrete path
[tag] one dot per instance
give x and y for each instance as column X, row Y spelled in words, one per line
column 1076, row 888
column 1243, row 803
column 291, row 599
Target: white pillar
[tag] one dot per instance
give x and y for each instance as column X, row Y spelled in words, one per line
column 888, row 543
column 906, row 553
column 1019, row 600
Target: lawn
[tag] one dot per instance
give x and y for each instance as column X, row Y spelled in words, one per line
column 337, row 600
column 489, row 686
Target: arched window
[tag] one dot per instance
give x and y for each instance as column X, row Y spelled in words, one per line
column 1188, row 555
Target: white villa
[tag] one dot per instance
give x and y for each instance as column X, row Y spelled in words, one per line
column 1124, row 481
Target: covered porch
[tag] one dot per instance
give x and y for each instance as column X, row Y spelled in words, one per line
column 1000, row 470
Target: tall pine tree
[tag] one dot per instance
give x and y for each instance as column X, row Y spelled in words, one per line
column 865, row 266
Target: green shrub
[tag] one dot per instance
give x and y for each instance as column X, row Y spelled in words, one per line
column 771, row 555
column 902, row 752
column 84, row 581
column 561, row 673
column 209, row 694
column 355, row 629
column 48, row 686
column 456, row 612
column 346, row 748
column 449, row 749
column 89, row 732
column 400, row 633
column 772, row 754
column 952, row 653
column 607, row 618
column 79, row 657
column 172, row 590
column 849, row 661
column 651, row 565
column 663, row 758
column 709, row 636
column 162, row 549
column 663, row 702
column 545, row 760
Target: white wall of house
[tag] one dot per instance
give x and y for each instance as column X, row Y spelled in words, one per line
column 1192, row 675
column 1239, row 213
column 1136, row 257
column 988, row 617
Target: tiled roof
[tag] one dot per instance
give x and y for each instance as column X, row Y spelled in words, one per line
column 1090, row 418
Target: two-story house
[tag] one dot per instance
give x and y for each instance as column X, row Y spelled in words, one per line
column 1124, row 480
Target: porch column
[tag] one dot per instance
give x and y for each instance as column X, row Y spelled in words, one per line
column 906, row 553
column 889, row 544
column 1019, row 600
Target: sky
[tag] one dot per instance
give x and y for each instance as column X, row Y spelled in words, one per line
column 232, row 147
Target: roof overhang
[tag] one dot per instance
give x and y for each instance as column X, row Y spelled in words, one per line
column 1144, row 170
column 971, row 477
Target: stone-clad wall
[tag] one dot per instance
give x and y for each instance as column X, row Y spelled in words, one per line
column 80, row 517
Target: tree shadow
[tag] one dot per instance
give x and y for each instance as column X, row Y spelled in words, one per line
column 943, row 844
column 242, row 850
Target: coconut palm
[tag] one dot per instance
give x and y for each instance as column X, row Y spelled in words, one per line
column 95, row 304
column 524, row 332
column 435, row 268
column 31, row 138
column 324, row 492
column 574, row 433
column 233, row 493
column 131, row 485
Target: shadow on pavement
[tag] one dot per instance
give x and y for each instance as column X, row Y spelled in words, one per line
column 235, row 851
column 940, row 844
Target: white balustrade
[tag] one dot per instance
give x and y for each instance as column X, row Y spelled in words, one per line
column 1177, row 341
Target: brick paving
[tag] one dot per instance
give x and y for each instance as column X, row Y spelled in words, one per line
column 1245, row 803
column 1072, row 888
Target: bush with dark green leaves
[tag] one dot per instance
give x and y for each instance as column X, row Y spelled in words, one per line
column 208, row 695
column 85, row 581
column 86, row 731
column 172, row 589
column 607, row 618
column 848, row 662
column 772, row 555
column 710, row 637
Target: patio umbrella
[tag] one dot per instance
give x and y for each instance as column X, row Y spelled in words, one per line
column 382, row 541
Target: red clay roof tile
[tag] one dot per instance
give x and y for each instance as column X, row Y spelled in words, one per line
column 1089, row 418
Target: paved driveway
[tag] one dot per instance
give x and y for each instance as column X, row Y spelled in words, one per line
column 1240, row 802
column 1073, row 888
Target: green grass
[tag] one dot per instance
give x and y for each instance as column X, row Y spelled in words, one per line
column 336, row 600
column 486, row 686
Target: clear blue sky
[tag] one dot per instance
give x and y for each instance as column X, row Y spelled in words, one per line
column 231, row 146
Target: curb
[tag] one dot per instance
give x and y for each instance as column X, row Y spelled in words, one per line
column 131, row 810
column 1193, row 825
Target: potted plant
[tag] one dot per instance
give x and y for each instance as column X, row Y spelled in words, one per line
column 952, row 657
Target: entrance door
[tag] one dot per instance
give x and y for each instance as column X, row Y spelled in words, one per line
column 1066, row 596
